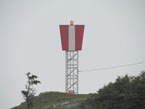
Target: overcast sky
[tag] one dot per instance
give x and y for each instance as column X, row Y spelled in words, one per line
column 30, row 42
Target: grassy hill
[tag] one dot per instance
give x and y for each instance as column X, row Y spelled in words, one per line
column 126, row 92
column 59, row 100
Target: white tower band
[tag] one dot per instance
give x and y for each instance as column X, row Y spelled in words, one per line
column 71, row 75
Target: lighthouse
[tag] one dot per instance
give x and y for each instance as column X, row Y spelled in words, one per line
column 71, row 40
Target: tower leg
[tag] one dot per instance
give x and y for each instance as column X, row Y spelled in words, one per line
column 71, row 75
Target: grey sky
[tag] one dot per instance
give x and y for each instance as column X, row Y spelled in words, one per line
column 30, row 42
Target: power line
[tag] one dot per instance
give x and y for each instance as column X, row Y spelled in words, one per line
column 104, row 68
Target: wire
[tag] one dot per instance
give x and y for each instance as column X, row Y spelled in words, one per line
column 104, row 68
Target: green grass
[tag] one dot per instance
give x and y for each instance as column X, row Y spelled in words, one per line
column 59, row 99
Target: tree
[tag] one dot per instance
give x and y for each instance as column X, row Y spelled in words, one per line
column 30, row 90
column 125, row 93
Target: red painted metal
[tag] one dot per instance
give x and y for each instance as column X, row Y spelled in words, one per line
column 71, row 92
column 79, row 31
column 64, row 32
column 64, row 36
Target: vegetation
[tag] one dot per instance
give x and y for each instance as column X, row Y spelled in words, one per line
column 30, row 91
column 58, row 99
column 126, row 93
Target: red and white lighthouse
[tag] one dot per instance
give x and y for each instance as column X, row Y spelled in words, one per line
column 71, row 39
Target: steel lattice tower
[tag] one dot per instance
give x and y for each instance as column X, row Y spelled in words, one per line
column 71, row 40
column 71, row 75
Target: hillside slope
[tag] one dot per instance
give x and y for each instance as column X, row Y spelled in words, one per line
column 59, row 100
